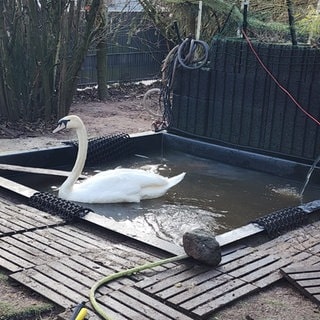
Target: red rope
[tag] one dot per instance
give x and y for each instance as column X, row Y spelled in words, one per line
column 278, row 83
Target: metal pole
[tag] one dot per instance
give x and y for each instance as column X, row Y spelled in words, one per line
column 199, row 21
column 245, row 15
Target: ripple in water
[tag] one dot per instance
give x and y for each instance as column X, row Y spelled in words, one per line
column 287, row 191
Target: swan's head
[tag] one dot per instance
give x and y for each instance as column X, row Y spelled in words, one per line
column 69, row 122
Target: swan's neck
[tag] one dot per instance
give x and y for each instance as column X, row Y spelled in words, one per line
column 66, row 187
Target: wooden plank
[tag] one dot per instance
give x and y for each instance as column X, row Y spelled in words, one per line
column 234, row 255
column 28, row 239
column 306, row 282
column 242, row 261
column 146, row 311
column 44, row 289
column 44, row 237
column 182, row 284
column 8, row 265
column 52, row 172
column 118, row 310
column 264, row 271
column 150, row 281
column 55, row 237
column 160, row 307
column 313, row 290
column 114, row 261
column 267, row 280
column 208, row 288
column 18, row 262
column 66, row 279
column 81, row 231
column 253, row 266
column 24, row 251
column 17, row 187
column 306, row 278
column 5, row 228
column 140, row 256
column 307, row 274
column 94, row 273
column 147, row 306
column 175, row 279
column 241, row 233
column 189, row 284
column 15, row 219
column 41, row 216
column 216, row 292
column 296, row 270
column 227, row 298
column 65, row 292
column 79, row 243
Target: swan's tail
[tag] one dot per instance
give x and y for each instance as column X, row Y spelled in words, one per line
column 175, row 180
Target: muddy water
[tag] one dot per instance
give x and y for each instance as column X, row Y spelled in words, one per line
column 212, row 195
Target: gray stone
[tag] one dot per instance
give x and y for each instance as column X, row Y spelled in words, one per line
column 202, row 246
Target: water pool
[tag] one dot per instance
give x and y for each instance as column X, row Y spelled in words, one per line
column 213, row 195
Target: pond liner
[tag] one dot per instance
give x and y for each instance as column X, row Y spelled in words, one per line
column 150, row 142
column 274, row 164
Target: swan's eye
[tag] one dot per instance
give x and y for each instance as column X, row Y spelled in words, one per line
column 63, row 123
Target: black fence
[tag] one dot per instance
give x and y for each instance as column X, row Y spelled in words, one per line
column 129, row 58
column 234, row 101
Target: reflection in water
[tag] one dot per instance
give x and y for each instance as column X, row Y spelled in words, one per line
column 213, row 196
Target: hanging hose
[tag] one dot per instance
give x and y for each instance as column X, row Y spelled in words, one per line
column 190, row 54
column 123, row 273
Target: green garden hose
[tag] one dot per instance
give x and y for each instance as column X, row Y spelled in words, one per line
column 123, row 273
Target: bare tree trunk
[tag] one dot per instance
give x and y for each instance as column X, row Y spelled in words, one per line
column 8, row 103
column 42, row 47
column 291, row 23
column 102, row 55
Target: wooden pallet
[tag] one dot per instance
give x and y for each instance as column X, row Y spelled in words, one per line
column 62, row 262
column 200, row 290
column 306, row 278
column 67, row 282
column 20, row 218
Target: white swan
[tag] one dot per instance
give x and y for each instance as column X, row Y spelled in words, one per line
column 111, row 186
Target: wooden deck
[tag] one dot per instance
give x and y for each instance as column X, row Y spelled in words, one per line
column 306, row 278
column 62, row 261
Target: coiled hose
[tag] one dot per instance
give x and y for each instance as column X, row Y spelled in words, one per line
column 190, row 54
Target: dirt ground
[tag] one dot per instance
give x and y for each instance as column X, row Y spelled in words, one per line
column 123, row 112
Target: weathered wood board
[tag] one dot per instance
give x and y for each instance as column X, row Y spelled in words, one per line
column 62, row 261
column 306, row 278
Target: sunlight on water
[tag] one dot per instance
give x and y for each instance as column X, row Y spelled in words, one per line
column 287, row 191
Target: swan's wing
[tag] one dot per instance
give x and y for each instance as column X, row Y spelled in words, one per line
column 132, row 177
column 122, row 185
column 106, row 188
